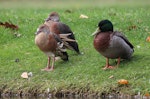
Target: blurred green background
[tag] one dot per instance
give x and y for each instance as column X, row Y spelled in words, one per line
column 69, row 3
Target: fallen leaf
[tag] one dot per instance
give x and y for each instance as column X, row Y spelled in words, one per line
column 148, row 39
column 147, row 94
column 123, row 82
column 138, row 46
column 24, row 75
column 111, row 76
column 9, row 25
column 82, row 16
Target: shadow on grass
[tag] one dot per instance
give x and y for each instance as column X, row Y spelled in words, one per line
column 133, row 59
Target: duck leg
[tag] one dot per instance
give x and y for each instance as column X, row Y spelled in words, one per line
column 49, row 68
column 53, row 61
column 118, row 62
column 48, row 63
column 107, row 66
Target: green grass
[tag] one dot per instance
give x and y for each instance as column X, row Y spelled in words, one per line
column 83, row 73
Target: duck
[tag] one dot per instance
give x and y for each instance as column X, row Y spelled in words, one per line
column 66, row 34
column 51, row 44
column 54, row 40
column 111, row 44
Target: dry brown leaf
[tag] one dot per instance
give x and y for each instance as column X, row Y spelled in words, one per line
column 9, row 25
column 147, row 94
column 148, row 39
column 123, row 82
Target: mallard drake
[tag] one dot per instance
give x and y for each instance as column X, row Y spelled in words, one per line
column 53, row 38
column 66, row 34
column 111, row 44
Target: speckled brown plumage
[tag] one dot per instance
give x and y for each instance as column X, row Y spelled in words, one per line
column 53, row 37
column 45, row 41
column 50, row 44
column 58, row 27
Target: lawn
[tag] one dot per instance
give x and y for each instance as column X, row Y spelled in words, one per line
column 82, row 75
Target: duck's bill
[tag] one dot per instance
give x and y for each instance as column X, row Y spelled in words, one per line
column 97, row 31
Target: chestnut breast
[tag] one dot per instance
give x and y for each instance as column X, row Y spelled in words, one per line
column 101, row 41
column 46, row 42
column 54, row 28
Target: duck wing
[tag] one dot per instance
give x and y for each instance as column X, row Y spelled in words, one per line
column 71, row 42
column 50, row 42
column 116, row 33
column 60, row 50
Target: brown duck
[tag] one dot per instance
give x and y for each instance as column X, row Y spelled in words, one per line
column 111, row 44
column 66, row 34
column 53, row 37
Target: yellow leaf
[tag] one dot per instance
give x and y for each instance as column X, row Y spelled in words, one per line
column 147, row 94
column 82, row 16
column 148, row 39
column 111, row 76
column 123, row 82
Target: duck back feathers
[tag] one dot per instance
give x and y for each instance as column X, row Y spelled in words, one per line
column 124, row 38
column 120, row 46
column 65, row 29
column 113, row 45
column 61, row 28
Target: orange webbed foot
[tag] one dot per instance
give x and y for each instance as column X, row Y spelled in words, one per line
column 47, row 69
column 109, row 67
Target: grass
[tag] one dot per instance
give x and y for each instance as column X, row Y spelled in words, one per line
column 83, row 73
